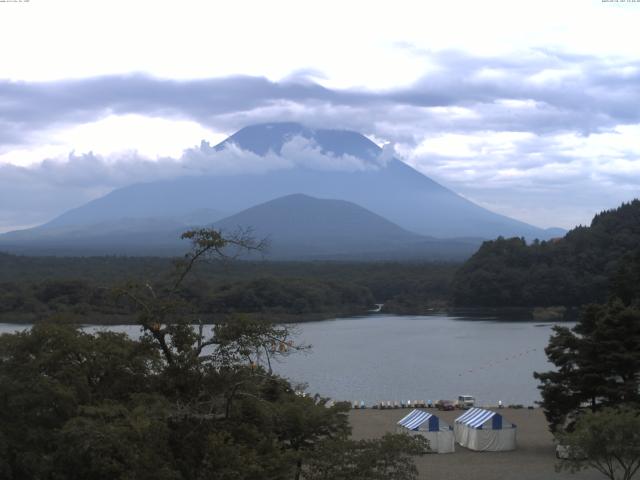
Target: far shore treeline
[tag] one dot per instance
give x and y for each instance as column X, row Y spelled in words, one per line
column 504, row 274
column 32, row 288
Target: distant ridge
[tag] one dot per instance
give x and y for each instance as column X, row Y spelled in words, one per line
column 299, row 226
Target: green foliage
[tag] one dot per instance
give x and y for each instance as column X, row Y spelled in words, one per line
column 75, row 405
column 48, row 373
column 626, row 281
column 228, row 459
column 386, row 458
column 284, row 291
column 571, row 271
column 597, row 363
column 180, row 403
column 608, row 441
column 117, row 440
column 277, row 295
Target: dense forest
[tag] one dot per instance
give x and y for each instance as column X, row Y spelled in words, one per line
column 571, row 271
column 36, row 288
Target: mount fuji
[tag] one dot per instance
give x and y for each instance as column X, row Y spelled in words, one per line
column 286, row 159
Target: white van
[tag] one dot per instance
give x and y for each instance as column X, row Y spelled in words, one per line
column 466, row 401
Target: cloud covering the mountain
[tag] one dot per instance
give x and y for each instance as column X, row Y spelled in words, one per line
column 47, row 188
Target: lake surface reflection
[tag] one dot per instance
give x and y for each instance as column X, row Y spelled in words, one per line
column 385, row 357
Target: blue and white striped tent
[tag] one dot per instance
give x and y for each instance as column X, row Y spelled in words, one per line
column 439, row 433
column 484, row 430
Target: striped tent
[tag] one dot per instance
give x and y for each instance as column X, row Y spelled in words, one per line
column 438, row 433
column 484, row 430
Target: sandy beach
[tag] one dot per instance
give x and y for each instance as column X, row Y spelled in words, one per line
column 534, row 457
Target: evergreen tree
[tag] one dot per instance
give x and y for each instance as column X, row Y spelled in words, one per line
column 597, row 363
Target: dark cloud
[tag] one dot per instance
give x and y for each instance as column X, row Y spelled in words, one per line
column 568, row 93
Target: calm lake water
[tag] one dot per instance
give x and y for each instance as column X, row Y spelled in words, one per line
column 385, row 357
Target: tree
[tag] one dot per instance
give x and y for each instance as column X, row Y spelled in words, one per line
column 386, row 458
column 179, row 403
column 303, row 422
column 572, row 271
column 608, row 441
column 161, row 312
column 48, row 375
column 225, row 378
column 117, row 440
column 625, row 284
column 597, row 363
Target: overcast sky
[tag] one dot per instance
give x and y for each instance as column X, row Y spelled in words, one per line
column 528, row 108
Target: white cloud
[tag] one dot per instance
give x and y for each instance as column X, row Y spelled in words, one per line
column 304, row 153
column 554, row 75
column 33, row 194
column 519, row 104
column 150, row 137
column 388, row 153
column 547, row 180
column 296, row 152
column 469, row 146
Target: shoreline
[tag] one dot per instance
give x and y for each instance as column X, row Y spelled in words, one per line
column 498, row 314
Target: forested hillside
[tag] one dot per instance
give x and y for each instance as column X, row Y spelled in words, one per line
column 84, row 289
column 569, row 271
column 572, row 271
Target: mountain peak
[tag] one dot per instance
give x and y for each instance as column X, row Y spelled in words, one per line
column 265, row 137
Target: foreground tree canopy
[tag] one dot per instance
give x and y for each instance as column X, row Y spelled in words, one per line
column 181, row 402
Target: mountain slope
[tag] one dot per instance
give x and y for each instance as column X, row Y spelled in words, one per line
column 301, row 219
column 299, row 226
column 352, row 169
column 121, row 236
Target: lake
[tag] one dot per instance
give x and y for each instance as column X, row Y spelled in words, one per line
column 386, row 357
